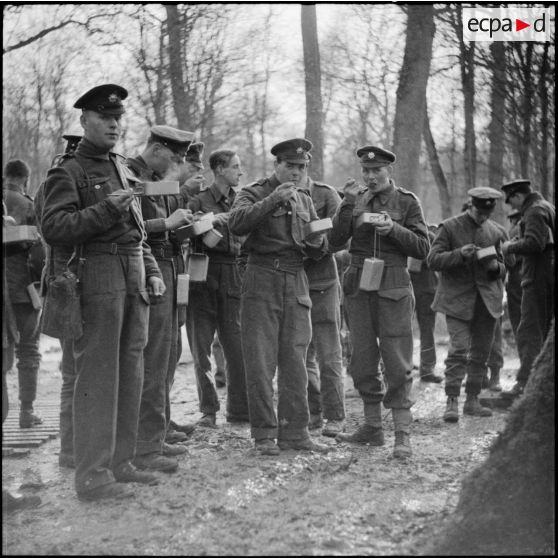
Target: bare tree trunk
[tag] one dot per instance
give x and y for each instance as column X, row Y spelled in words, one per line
column 312, row 78
column 496, row 128
column 527, row 110
column 179, row 96
column 411, row 93
column 436, row 167
column 543, row 93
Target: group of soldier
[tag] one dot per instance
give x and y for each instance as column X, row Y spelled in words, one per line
column 269, row 290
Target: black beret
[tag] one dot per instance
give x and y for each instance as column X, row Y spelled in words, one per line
column 71, row 142
column 520, row 185
column 176, row 140
column 296, row 150
column 195, row 151
column 372, row 157
column 105, row 99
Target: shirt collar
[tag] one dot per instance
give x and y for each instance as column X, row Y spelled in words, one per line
column 88, row 149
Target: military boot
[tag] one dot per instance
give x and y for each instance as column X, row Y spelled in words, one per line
column 473, row 407
column 494, row 382
column 402, row 448
column 364, row 434
column 515, row 392
column 402, row 420
column 27, row 418
column 451, row 413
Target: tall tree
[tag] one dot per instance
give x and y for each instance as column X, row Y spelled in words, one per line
column 312, row 78
column 411, row 93
column 496, row 128
column 543, row 94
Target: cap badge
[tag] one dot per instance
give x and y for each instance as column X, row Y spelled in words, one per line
column 113, row 98
column 371, row 155
column 299, row 150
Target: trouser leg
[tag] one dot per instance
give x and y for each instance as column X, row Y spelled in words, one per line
column 456, row 361
column 67, row 398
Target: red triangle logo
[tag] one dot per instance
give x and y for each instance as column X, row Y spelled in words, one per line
column 519, row 25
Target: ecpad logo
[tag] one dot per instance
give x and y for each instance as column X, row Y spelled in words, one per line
column 506, row 24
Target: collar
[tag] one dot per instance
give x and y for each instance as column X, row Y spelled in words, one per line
column 382, row 194
column 530, row 200
column 144, row 166
column 218, row 195
column 88, row 149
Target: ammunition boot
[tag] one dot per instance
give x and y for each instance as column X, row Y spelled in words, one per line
column 302, row 445
column 28, row 419
column 315, row 422
column 112, row 491
column 155, row 462
column 174, row 436
column 208, row 420
column 266, row 446
column 452, row 410
column 364, row 434
column 128, row 473
column 333, row 427
column 402, row 448
column 494, row 382
column 186, row 428
column 473, row 407
column 173, row 449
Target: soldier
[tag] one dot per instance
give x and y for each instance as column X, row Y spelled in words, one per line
column 21, row 273
column 214, row 305
column 275, row 302
column 67, row 368
column 470, row 294
column 324, row 361
column 535, row 245
column 513, row 283
column 424, row 283
column 380, row 320
column 88, row 206
column 163, row 155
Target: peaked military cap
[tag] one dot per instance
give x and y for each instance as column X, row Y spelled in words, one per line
column 371, row 156
column 520, row 185
column 176, row 140
column 484, row 197
column 71, row 142
column 105, row 99
column 296, row 150
column 195, row 151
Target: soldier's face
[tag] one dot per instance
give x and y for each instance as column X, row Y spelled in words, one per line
column 376, row 178
column 232, row 172
column 290, row 172
column 515, row 200
column 103, row 130
column 481, row 215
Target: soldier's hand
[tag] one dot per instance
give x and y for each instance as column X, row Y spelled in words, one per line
column 178, row 218
column 8, row 220
column 121, row 199
column 284, row 191
column 350, row 190
column 383, row 228
column 492, row 265
column 156, row 287
column 221, row 219
column 505, row 247
column 468, row 251
column 194, row 184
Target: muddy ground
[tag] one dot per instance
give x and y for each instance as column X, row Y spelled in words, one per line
column 224, row 500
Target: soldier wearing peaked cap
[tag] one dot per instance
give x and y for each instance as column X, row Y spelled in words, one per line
column 192, row 179
column 535, row 246
column 274, row 213
column 380, row 320
column 466, row 251
column 162, row 158
column 89, row 209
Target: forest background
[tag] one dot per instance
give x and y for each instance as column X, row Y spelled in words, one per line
column 458, row 114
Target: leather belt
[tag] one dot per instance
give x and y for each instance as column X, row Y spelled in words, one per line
column 165, row 252
column 289, row 265
column 113, row 248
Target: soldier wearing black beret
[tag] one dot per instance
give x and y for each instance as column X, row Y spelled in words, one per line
column 535, row 246
column 89, row 207
column 275, row 304
column 380, row 320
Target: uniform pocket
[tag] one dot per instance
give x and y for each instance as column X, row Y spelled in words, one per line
column 93, row 190
column 351, row 281
column 396, row 311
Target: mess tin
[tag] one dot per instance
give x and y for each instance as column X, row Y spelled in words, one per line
column 160, row 188
column 370, row 219
column 484, row 253
column 212, row 238
column 319, row 226
column 372, row 271
column 197, row 266
column 182, row 289
column 414, row 264
column 202, row 226
column 19, row 233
